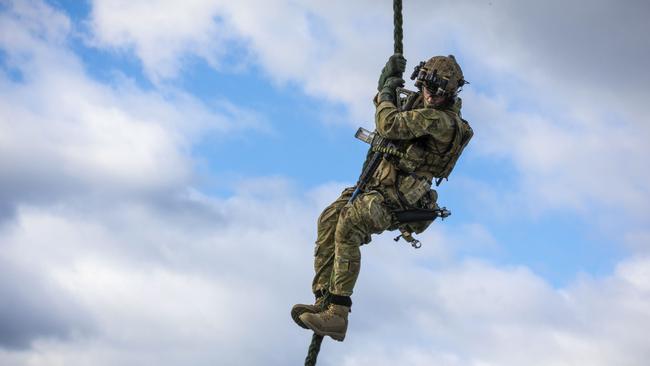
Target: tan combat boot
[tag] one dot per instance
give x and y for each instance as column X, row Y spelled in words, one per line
column 332, row 322
column 299, row 309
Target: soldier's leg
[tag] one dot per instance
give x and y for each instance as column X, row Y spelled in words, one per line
column 323, row 255
column 367, row 215
column 324, row 250
column 357, row 221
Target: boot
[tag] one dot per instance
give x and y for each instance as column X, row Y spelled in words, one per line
column 332, row 321
column 299, row 309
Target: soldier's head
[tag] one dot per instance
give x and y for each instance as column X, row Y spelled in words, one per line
column 440, row 79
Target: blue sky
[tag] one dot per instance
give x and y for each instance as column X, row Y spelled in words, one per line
column 184, row 151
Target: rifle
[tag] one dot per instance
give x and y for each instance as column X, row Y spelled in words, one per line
column 379, row 147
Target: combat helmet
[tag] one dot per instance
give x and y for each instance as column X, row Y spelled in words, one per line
column 441, row 75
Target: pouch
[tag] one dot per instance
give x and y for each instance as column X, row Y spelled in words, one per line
column 414, row 158
column 412, row 188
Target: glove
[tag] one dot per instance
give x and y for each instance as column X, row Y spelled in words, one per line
column 395, row 67
column 388, row 92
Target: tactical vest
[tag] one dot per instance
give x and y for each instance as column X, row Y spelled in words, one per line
column 438, row 161
column 423, row 160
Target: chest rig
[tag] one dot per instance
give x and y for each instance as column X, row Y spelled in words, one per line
column 427, row 158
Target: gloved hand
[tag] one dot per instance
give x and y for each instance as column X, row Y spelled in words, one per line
column 388, row 92
column 395, row 67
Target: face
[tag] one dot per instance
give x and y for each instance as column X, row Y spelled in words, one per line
column 430, row 99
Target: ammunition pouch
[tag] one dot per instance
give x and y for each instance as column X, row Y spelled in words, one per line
column 411, row 189
column 411, row 159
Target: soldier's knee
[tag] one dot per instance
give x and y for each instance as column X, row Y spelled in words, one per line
column 331, row 212
column 367, row 215
column 376, row 215
column 328, row 215
column 350, row 228
column 326, row 226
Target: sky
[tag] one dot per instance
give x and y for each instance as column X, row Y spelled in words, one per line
column 163, row 163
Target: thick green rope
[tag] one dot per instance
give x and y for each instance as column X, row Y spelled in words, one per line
column 316, row 340
column 314, row 349
column 398, row 35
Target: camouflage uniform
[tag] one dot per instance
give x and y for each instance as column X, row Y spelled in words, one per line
column 431, row 139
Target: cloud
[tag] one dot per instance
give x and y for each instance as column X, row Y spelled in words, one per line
column 32, row 306
column 323, row 49
column 162, row 286
column 478, row 314
column 63, row 132
column 160, row 39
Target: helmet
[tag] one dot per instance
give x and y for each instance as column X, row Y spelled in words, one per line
column 440, row 74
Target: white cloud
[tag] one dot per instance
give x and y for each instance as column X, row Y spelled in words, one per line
column 162, row 33
column 321, row 46
column 167, row 290
column 477, row 314
column 61, row 131
column 184, row 284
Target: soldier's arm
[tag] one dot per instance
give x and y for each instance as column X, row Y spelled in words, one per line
column 392, row 124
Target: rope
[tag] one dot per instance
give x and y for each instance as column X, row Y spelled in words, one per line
column 317, row 340
column 397, row 22
column 314, row 348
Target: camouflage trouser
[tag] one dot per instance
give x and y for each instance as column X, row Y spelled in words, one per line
column 342, row 229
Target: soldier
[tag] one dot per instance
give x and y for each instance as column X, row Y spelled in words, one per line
column 430, row 136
